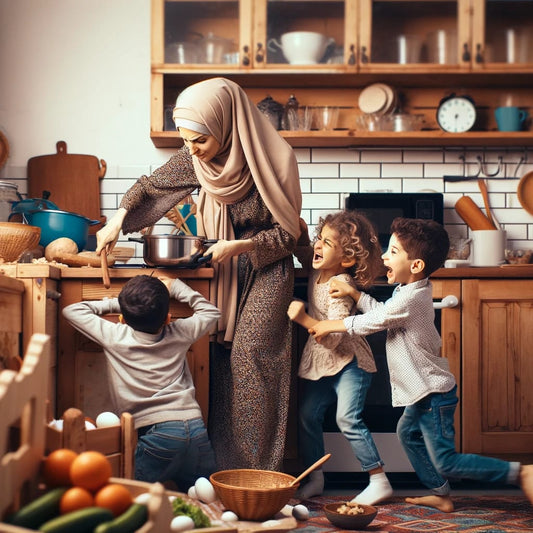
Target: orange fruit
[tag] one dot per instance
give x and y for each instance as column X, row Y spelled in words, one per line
column 75, row 498
column 90, row 470
column 56, row 469
column 114, row 497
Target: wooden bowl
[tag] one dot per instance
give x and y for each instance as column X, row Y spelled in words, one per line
column 350, row 521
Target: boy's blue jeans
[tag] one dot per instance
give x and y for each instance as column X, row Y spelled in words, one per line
column 426, row 431
column 176, row 450
column 349, row 388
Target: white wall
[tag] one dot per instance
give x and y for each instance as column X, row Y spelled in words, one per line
column 79, row 71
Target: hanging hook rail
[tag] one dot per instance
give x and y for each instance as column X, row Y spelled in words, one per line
column 483, row 166
column 464, row 177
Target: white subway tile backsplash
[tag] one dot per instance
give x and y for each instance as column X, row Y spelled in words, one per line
column 320, row 201
column 335, row 155
column 118, row 186
column 381, row 185
column 303, row 155
column 360, row 170
column 381, row 156
column 423, row 156
column 339, row 185
column 319, row 170
column 405, row 170
column 422, row 184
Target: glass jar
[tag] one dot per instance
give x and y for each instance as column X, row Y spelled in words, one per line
column 8, row 195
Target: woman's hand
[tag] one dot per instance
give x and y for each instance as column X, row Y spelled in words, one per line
column 223, row 250
column 108, row 235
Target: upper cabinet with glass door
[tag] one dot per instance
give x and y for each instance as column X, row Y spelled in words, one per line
column 414, row 35
column 201, row 34
column 305, row 34
column 502, row 35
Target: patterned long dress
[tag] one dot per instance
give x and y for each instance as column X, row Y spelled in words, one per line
column 250, row 382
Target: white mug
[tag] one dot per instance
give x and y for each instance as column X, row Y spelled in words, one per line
column 302, row 47
column 488, row 247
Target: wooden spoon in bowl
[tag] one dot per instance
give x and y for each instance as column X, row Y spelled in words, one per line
column 321, row 461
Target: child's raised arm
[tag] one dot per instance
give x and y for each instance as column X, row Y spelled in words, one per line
column 338, row 289
column 324, row 327
column 296, row 312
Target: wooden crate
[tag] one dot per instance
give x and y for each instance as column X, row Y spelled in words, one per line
column 117, row 443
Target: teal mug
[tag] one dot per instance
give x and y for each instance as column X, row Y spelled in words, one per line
column 510, row 118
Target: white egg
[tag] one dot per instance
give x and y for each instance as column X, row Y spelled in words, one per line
column 56, row 424
column 143, row 498
column 106, row 419
column 300, row 512
column 204, row 490
column 192, row 493
column 181, row 523
column 229, row 516
column 89, row 425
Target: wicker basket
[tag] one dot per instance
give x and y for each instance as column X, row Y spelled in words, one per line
column 16, row 238
column 253, row 494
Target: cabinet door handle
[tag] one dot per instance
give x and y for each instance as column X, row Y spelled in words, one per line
column 479, row 55
column 466, row 52
column 448, row 301
column 260, row 53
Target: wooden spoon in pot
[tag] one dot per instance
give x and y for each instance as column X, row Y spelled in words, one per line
column 105, row 268
column 485, row 193
column 321, row 461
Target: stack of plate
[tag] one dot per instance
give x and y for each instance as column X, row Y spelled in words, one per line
column 377, row 98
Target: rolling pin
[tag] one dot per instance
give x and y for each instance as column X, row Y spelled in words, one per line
column 474, row 218
column 82, row 259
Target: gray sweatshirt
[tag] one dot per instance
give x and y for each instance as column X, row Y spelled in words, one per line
column 148, row 373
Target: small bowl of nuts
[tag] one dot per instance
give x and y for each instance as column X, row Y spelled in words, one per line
column 518, row 257
column 350, row 515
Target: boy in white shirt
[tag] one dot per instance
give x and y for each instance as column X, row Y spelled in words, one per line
column 420, row 378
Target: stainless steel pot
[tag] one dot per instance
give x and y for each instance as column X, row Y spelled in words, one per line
column 179, row 251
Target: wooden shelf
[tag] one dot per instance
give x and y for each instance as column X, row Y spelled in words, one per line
column 344, row 138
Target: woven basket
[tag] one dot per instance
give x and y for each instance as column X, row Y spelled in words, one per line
column 16, row 238
column 253, row 494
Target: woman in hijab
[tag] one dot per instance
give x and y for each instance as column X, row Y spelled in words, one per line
column 250, row 200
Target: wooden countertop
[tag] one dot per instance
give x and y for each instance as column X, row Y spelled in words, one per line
column 505, row 271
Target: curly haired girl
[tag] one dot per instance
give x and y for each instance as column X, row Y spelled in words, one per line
column 346, row 248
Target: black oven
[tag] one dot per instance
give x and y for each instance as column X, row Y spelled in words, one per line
column 383, row 207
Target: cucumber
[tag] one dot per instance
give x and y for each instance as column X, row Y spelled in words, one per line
column 38, row 511
column 130, row 520
column 80, row 521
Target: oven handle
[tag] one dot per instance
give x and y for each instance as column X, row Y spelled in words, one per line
column 448, row 301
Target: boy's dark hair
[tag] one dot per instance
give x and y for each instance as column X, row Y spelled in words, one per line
column 358, row 239
column 423, row 239
column 144, row 303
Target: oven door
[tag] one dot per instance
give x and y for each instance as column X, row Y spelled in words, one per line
column 379, row 415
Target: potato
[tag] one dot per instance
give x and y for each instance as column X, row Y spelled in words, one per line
column 60, row 246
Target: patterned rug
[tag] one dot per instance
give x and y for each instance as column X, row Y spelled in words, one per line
column 487, row 514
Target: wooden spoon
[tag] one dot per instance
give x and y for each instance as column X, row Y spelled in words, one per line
column 105, row 268
column 321, row 461
column 485, row 193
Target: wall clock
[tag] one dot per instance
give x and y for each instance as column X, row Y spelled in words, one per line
column 456, row 114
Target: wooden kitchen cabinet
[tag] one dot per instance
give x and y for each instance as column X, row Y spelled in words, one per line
column 81, row 378
column 39, row 309
column 368, row 48
column 497, row 366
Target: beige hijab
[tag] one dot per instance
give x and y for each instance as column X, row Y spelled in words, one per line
column 251, row 151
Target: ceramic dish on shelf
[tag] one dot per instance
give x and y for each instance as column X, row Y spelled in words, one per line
column 377, row 98
column 525, row 192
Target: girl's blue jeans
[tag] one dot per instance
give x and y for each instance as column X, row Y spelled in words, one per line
column 349, row 388
column 426, row 431
column 179, row 451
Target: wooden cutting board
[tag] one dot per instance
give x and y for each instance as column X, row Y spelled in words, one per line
column 73, row 181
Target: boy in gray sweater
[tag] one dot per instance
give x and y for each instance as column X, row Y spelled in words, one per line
column 149, row 376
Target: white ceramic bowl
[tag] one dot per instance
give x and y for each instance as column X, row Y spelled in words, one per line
column 304, row 47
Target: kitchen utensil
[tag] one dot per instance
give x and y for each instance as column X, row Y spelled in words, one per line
column 82, row 259
column 212, row 48
column 485, row 193
column 72, row 179
column 55, row 223
column 302, row 47
column 182, row 53
column 377, row 98
column 350, row 521
column 105, row 268
column 401, row 122
column 314, row 466
column 16, row 238
column 510, row 118
column 472, row 215
column 525, row 192
column 488, row 247
column 178, row 251
column 9, row 196
column 253, row 494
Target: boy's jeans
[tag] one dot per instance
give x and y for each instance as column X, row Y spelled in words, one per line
column 349, row 388
column 426, row 432
column 177, row 450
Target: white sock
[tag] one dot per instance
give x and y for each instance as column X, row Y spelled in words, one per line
column 314, row 487
column 378, row 489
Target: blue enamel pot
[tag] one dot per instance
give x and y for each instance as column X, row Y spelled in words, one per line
column 55, row 224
